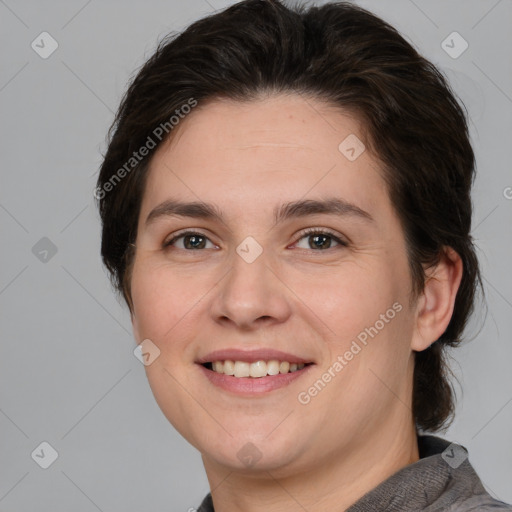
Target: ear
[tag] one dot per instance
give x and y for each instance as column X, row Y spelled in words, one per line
column 436, row 303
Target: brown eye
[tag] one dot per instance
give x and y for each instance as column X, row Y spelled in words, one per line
column 321, row 239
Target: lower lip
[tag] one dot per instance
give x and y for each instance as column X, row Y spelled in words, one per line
column 253, row 385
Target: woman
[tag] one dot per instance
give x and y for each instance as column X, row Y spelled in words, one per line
column 286, row 210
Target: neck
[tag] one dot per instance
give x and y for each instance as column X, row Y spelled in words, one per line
column 335, row 483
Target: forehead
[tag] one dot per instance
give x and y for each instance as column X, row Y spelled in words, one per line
column 245, row 156
column 284, row 122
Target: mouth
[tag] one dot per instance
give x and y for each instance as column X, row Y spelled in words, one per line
column 254, row 370
column 252, row 373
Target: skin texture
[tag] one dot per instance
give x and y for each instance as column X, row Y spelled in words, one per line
column 312, row 302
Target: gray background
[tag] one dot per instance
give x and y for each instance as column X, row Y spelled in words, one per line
column 68, row 373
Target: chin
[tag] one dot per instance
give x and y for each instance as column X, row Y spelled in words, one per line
column 251, row 453
column 250, row 458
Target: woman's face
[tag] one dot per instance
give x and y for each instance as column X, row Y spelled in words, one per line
column 253, row 285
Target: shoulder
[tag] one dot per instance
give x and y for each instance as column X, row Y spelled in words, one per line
column 442, row 479
column 463, row 490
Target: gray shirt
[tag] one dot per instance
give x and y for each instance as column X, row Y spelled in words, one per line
column 442, row 480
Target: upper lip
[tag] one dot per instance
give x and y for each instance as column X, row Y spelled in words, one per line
column 262, row 354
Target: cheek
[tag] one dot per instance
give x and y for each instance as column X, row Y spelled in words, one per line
column 370, row 325
column 155, row 311
column 349, row 298
column 161, row 298
column 169, row 308
column 148, row 301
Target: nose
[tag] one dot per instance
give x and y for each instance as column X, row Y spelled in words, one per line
column 251, row 296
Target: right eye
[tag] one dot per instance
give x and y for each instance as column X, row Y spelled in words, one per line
column 192, row 240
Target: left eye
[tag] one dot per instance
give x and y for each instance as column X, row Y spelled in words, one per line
column 319, row 239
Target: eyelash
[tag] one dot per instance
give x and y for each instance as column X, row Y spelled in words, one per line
column 302, row 234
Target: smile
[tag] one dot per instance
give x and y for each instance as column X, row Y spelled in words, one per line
column 254, row 379
column 256, row 369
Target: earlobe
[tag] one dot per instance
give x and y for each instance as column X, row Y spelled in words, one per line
column 436, row 304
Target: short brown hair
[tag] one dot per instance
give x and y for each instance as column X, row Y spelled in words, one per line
column 348, row 57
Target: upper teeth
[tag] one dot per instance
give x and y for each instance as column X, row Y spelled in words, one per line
column 256, row 369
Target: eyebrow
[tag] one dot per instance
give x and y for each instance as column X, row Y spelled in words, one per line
column 294, row 209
